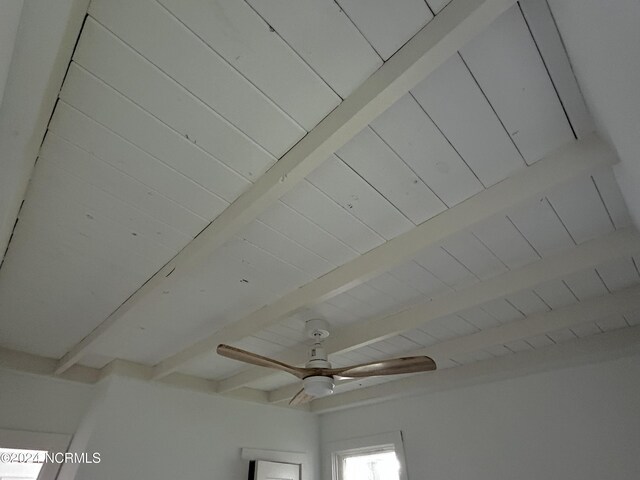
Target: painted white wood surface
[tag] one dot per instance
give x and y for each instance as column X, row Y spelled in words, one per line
column 581, row 210
column 107, row 57
column 239, row 35
column 474, row 255
column 309, row 201
column 10, row 14
column 548, row 41
column 437, row 5
column 402, row 19
column 507, row 66
column 461, row 274
column 609, row 345
column 345, row 186
column 585, row 284
column 542, row 227
column 420, row 56
column 521, row 299
column 79, row 163
column 501, row 236
column 412, row 135
column 46, row 37
column 446, row 268
column 162, row 39
column 453, row 100
column 609, row 191
column 276, row 471
column 368, row 155
column 296, row 226
column 324, row 37
column 555, row 294
column 506, row 340
column 165, row 178
column 103, row 104
column 136, row 172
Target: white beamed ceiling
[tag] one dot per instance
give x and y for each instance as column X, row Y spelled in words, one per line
column 171, row 109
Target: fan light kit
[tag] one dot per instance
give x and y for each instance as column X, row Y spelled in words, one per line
column 318, row 377
column 317, row 385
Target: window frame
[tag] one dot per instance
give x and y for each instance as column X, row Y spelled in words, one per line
column 50, row 442
column 382, row 442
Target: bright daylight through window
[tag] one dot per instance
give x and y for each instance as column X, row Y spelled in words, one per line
column 371, row 466
column 16, row 465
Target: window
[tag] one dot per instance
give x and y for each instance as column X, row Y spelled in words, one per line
column 379, row 465
column 26, row 446
column 377, row 457
column 17, row 469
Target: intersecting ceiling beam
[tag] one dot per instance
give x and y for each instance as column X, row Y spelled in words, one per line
column 597, row 308
column 581, row 351
column 441, row 38
column 37, row 365
column 587, row 255
column 568, row 163
column 31, row 364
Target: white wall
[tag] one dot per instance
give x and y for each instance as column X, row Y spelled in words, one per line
column 152, row 432
column 40, row 404
column 148, row 431
column 580, row 423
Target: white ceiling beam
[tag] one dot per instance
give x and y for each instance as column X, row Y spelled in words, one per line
column 590, row 254
column 582, row 351
column 564, row 165
column 597, row 308
column 31, row 364
column 587, row 255
column 441, row 38
column 124, row 368
column 37, row 365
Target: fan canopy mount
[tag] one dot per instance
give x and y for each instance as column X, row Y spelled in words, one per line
column 317, row 329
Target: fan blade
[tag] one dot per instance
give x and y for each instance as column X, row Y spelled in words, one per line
column 300, row 398
column 394, row 366
column 255, row 359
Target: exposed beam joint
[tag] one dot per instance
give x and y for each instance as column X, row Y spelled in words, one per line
column 584, row 256
column 567, row 163
column 441, row 38
column 587, row 255
column 582, row 351
column 28, row 363
column 37, row 365
column 597, row 308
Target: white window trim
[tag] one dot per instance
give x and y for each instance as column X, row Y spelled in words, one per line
column 353, row 446
column 50, row 442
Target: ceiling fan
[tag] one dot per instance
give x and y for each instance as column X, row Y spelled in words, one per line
column 317, row 376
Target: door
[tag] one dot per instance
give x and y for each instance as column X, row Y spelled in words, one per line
column 276, row 471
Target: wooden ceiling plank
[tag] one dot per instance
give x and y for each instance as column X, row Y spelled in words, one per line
column 461, row 21
column 611, row 345
column 569, row 317
column 572, row 161
column 373, row 330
